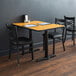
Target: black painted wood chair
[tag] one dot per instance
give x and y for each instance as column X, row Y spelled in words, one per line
column 70, row 27
column 16, row 41
column 57, row 34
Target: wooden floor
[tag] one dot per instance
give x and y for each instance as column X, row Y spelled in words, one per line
column 64, row 64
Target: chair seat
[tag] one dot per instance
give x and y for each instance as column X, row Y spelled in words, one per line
column 71, row 29
column 54, row 35
column 22, row 41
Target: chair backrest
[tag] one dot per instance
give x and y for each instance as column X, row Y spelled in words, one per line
column 12, row 32
column 69, row 22
column 59, row 21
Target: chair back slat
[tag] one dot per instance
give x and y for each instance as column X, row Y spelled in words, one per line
column 12, row 31
column 58, row 21
column 69, row 22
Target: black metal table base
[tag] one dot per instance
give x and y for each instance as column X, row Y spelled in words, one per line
column 53, row 55
column 30, row 51
column 45, row 58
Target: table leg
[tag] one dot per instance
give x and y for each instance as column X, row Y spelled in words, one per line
column 46, row 57
column 30, row 36
column 46, row 47
column 46, row 44
column 31, row 45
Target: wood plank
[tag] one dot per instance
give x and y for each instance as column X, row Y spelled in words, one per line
column 64, row 64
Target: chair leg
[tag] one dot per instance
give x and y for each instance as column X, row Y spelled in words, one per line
column 32, row 53
column 43, row 42
column 65, row 36
column 9, row 54
column 74, row 41
column 63, row 44
column 53, row 46
column 31, row 50
column 73, row 37
column 18, row 55
column 22, row 49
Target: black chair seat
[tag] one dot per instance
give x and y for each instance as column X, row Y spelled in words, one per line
column 21, row 41
column 54, row 35
column 71, row 29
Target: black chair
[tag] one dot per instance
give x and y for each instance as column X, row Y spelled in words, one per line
column 57, row 34
column 70, row 27
column 15, row 41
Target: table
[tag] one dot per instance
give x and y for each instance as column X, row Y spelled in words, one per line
column 40, row 28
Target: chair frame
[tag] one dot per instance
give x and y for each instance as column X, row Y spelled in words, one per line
column 72, row 25
column 17, row 45
column 63, row 32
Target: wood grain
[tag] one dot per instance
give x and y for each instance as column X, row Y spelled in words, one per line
column 64, row 64
column 38, row 27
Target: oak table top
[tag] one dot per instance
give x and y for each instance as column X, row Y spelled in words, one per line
column 38, row 26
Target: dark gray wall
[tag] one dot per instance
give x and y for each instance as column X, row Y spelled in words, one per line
column 45, row 10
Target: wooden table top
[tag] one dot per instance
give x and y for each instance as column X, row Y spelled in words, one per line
column 38, row 26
